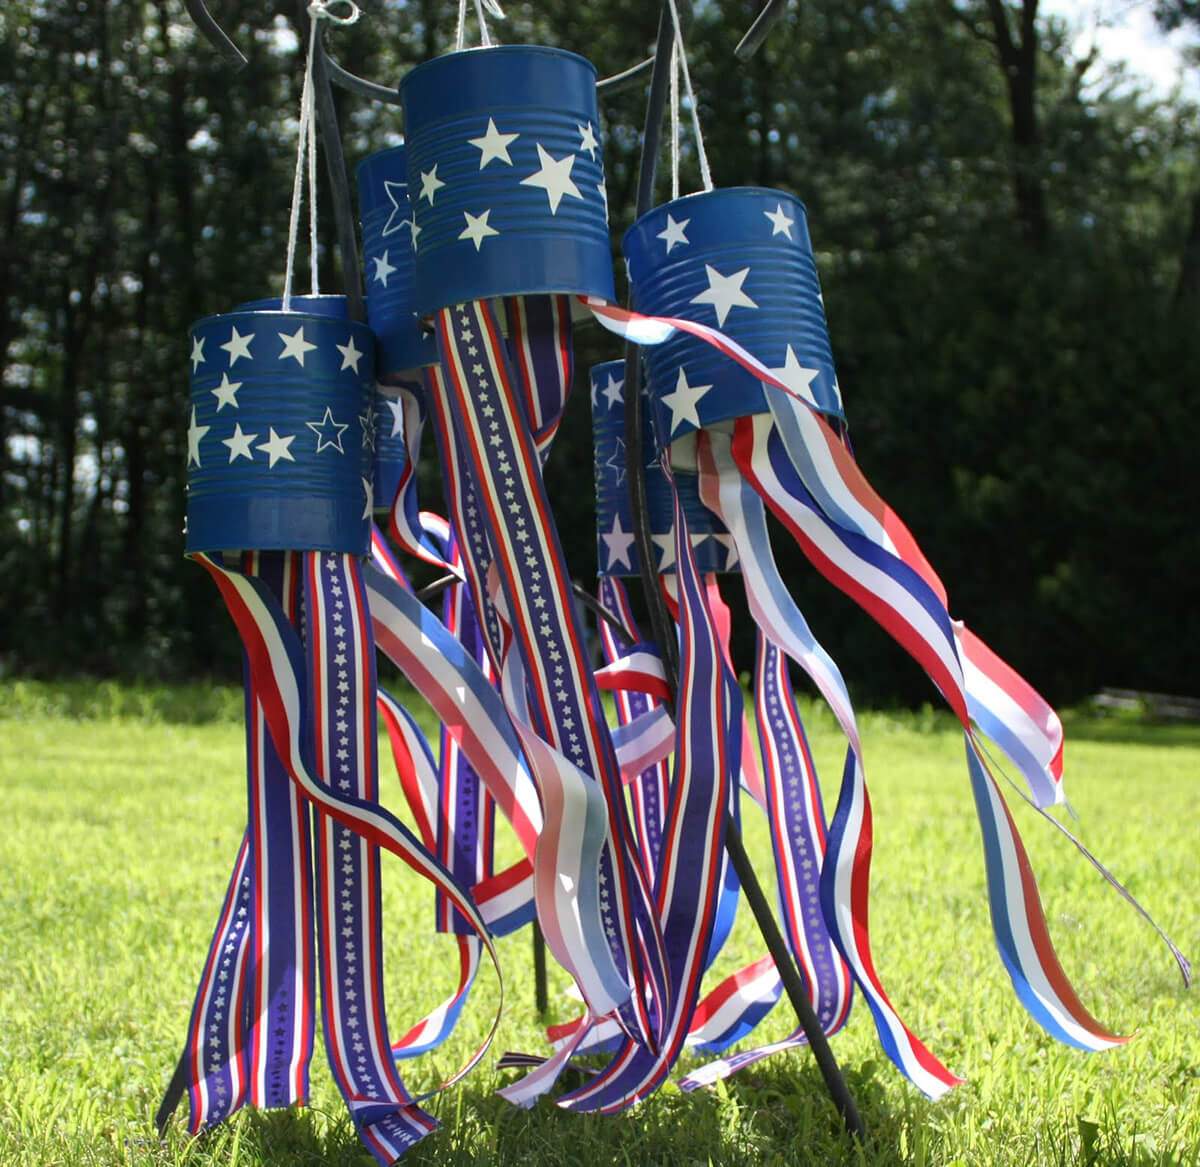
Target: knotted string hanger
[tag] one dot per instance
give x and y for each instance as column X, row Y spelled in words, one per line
column 306, row 146
column 679, row 66
column 485, row 39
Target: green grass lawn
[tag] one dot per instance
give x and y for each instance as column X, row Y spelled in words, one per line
column 122, row 810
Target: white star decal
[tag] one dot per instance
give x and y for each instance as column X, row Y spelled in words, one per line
column 226, row 392
column 780, row 223
column 587, row 140
column 430, row 184
column 369, row 490
column 321, row 429
column 554, row 178
column 277, row 447
column 397, row 408
column 197, row 352
column 414, row 231
column 682, row 402
column 397, row 194
column 724, row 292
column 295, row 345
column 614, row 391
column 673, row 233
column 477, row 229
column 350, row 355
column 383, row 269
column 237, row 345
column 493, row 145
column 239, row 444
column 617, row 543
column 666, row 550
column 195, row 433
column 796, row 377
column 366, row 422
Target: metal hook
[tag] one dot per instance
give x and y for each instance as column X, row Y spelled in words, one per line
column 758, row 31
column 215, row 33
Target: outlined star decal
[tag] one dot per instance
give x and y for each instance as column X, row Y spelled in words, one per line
column 587, row 140
column 554, row 177
column 796, row 377
column 614, row 391
column 226, row 392
column 367, row 422
column 493, row 145
column 239, row 444
column 724, row 292
column 683, row 400
column 322, row 429
column 197, row 357
column 430, row 184
column 616, row 462
column 295, row 345
column 238, row 346
column 673, row 234
column 477, row 229
column 780, row 223
column 276, row 447
column 194, row 434
column 397, row 195
column 350, row 355
column 617, row 543
column 383, row 269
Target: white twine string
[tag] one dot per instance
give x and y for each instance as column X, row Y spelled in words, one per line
column 481, row 7
column 705, row 173
column 306, row 148
column 674, row 101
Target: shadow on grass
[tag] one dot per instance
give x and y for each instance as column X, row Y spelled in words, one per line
column 1129, row 729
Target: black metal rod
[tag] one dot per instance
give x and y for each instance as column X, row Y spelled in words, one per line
column 664, row 629
column 760, row 29
column 339, row 185
column 540, row 991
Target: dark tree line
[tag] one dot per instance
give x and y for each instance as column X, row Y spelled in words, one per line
column 1009, row 243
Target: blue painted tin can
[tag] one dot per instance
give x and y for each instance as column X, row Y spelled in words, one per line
column 740, row 260
column 505, row 176
column 280, row 433
column 387, row 238
column 616, row 553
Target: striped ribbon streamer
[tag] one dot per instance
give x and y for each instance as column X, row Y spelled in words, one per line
column 349, row 912
column 901, row 600
column 797, row 825
column 709, row 719
column 405, row 518
column 250, row 1038
column 277, row 664
column 539, row 342
column 844, row 897
column 648, row 791
column 500, row 462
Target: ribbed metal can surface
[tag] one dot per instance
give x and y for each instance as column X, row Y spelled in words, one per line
column 391, row 450
column 740, row 260
column 387, row 239
column 505, row 176
column 616, row 552
column 280, row 431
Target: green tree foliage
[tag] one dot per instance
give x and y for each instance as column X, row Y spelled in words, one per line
column 1003, row 237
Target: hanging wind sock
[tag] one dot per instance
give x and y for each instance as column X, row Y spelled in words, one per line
column 508, row 202
column 728, row 286
column 279, row 464
column 790, row 796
